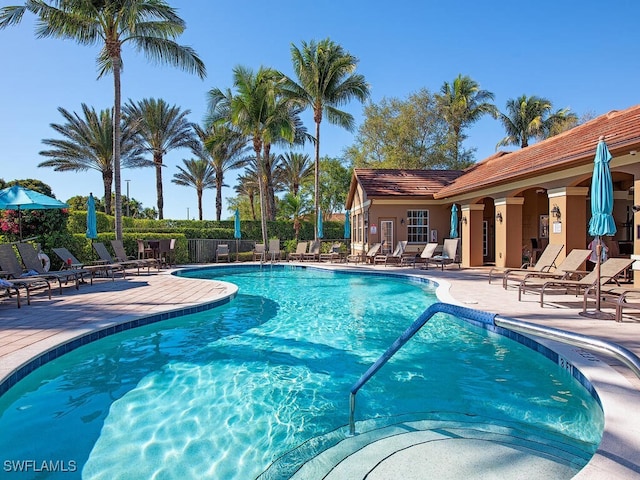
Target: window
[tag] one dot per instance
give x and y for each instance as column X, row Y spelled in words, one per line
column 418, row 226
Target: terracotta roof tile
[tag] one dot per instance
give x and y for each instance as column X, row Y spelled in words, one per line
column 397, row 182
column 621, row 130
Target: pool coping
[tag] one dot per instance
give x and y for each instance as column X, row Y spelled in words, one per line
column 617, row 455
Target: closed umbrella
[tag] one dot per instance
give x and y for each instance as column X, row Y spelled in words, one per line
column 92, row 222
column 20, row 198
column 347, row 224
column 237, row 234
column 320, row 232
column 602, row 222
column 454, row 221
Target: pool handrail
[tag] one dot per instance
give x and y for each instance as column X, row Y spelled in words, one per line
column 583, row 341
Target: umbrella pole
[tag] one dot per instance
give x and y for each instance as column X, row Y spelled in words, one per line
column 597, row 313
column 237, row 251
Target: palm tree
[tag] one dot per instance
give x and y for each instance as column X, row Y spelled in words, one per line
column 294, row 207
column 88, row 145
column 225, row 149
column 326, row 80
column 247, row 186
column 526, row 118
column 199, row 174
column 258, row 112
column 294, row 169
column 461, row 104
column 151, row 25
column 160, row 128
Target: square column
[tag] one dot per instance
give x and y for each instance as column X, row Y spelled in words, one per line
column 568, row 224
column 508, row 227
column 471, row 234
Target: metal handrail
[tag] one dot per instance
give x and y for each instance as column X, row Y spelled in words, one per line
column 583, row 341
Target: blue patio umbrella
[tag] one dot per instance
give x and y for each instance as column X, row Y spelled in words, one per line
column 20, row 198
column 347, row 224
column 602, row 222
column 320, row 232
column 454, row 221
column 237, row 234
column 92, row 221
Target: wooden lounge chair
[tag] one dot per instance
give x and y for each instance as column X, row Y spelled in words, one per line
column 69, row 261
column 274, row 249
column 9, row 263
column 222, row 252
column 393, row 258
column 544, row 264
column 427, row 253
column 314, row 252
column 372, row 252
column 106, row 258
column 32, row 263
column 609, row 270
column 332, row 255
column 259, row 252
column 122, row 258
column 301, row 249
column 449, row 254
column 567, row 269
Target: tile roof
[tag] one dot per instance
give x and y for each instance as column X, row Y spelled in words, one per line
column 621, row 131
column 406, row 183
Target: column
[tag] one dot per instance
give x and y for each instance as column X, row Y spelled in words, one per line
column 471, row 234
column 508, row 222
column 568, row 218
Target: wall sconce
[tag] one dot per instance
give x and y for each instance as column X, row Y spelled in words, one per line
column 402, row 221
column 636, row 208
column 499, row 216
column 464, row 220
column 555, row 211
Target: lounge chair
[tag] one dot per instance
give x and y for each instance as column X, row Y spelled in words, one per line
column 609, row 270
column 11, row 266
column 427, row 253
column 301, row 249
column 8, row 286
column 393, row 258
column 372, row 252
column 332, row 255
column 449, row 254
column 222, row 252
column 70, row 261
column 106, row 257
column 567, row 269
column 144, row 250
column 314, row 251
column 274, row 249
column 32, row 263
column 544, row 264
column 121, row 257
column 259, row 252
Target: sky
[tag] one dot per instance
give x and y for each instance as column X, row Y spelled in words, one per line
column 579, row 54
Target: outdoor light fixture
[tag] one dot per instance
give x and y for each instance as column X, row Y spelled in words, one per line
column 402, row 221
column 632, row 152
column 636, row 208
column 464, row 220
column 555, row 211
column 499, row 216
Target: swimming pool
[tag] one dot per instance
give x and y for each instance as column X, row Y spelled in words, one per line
column 225, row 392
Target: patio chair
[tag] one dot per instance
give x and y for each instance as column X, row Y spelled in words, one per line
column 544, row 264
column 449, row 255
column 393, row 258
column 144, row 250
column 274, row 249
column 259, row 252
column 8, row 286
column 567, row 269
column 70, row 261
column 372, row 252
column 106, row 257
column 314, row 251
column 427, row 253
column 222, row 251
column 32, row 263
column 609, row 270
column 333, row 254
column 121, row 258
column 10, row 264
column 301, row 249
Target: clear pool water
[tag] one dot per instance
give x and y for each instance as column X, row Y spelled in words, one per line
column 224, row 393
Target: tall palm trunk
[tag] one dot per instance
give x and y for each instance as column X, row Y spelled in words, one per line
column 257, row 147
column 317, row 180
column 107, row 181
column 117, row 65
column 218, row 196
column 157, row 159
column 199, row 191
column 252, row 201
column 270, row 190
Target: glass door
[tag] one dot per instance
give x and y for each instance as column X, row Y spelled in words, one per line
column 386, row 235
